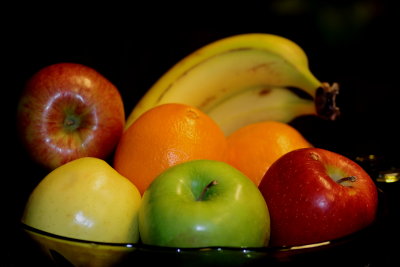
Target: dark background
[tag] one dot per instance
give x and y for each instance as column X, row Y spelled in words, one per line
column 350, row 42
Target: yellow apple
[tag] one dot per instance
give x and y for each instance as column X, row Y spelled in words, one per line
column 85, row 199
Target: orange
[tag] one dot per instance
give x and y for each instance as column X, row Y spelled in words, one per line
column 164, row 136
column 253, row 148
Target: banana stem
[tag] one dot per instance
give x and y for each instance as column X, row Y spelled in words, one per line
column 325, row 101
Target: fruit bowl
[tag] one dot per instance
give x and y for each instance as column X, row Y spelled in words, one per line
column 357, row 249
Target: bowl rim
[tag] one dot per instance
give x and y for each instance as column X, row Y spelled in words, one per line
column 244, row 249
column 380, row 218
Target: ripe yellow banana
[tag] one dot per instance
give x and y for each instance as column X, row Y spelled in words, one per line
column 243, row 79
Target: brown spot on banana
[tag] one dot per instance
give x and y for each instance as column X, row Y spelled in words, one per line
column 264, row 91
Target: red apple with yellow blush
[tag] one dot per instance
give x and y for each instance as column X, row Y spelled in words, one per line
column 68, row 111
column 315, row 195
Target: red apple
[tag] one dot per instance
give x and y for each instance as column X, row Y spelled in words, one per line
column 314, row 195
column 68, row 111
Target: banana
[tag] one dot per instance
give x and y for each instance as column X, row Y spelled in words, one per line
column 242, row 79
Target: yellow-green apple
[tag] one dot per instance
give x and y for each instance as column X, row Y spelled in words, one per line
column 68, row 111
column 315, row 195
column 85, row 199
column 203, row 203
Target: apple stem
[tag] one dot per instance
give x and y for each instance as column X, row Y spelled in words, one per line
column 71, row 122
column 205, row 189
column 348, row 178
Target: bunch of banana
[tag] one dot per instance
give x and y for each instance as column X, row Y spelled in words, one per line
column 244, row 79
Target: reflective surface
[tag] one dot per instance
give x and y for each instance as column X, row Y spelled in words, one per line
column 358, row 249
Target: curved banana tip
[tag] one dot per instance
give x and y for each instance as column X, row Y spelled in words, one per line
column 325, row 101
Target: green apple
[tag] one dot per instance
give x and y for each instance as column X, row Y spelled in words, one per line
column 85, row 199
column 203, row 203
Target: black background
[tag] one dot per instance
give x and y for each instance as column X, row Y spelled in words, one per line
column 353, row 43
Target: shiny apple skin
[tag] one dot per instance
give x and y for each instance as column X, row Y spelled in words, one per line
column 85, row 199
column 308, row 206
column 68, row 111
column 232, row 213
